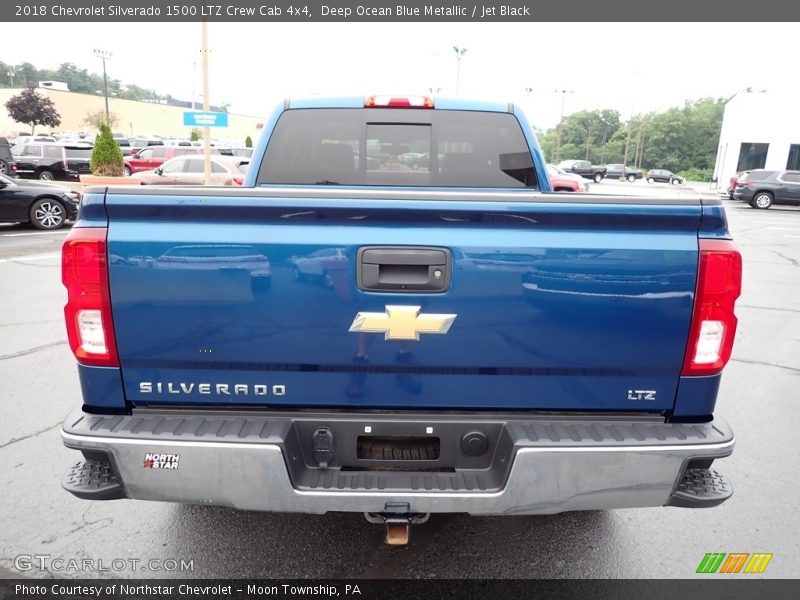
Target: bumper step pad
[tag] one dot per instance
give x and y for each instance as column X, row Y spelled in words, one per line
column 701, row 488
column 93, row 479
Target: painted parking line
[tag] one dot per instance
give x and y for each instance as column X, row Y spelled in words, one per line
column 31, row 233
column 30, row 257
column 773, row 218
column 763, row 225
column 781, row 228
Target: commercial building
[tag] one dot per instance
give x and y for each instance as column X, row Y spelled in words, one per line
column 132, row 117
column 760, row 130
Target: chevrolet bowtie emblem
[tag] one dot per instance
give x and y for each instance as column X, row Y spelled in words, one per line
column 401, row 323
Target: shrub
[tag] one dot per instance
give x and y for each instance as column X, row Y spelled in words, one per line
column 106, row 155
column 248, row 142
column 693, row 174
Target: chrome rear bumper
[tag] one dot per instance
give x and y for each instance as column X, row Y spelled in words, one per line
column 546, row 475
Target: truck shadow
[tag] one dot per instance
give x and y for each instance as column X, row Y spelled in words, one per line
column 228, row 543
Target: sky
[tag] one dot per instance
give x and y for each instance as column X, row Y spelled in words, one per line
column 545, row 67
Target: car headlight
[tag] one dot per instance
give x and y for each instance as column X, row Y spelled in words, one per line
column 74, row 196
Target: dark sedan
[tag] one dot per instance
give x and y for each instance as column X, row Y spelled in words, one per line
column 762, row 189
column 623, row 172
column 663, row 176
column 43, row 205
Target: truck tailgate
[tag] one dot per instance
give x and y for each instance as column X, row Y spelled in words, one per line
column 247, row 297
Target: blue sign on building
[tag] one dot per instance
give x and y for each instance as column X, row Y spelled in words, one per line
column 200, row 118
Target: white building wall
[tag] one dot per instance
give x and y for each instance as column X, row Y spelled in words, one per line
column 759, row 117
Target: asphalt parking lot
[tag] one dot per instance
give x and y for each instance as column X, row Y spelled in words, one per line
column 759, row 397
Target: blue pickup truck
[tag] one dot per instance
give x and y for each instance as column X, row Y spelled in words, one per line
column 395, row 316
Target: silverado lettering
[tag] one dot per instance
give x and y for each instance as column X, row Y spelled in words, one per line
column 159, row 387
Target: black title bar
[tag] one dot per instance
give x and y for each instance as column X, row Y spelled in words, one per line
column 700, row 588
column 40, row 11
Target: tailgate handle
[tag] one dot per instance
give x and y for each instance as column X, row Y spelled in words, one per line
column 403, row 269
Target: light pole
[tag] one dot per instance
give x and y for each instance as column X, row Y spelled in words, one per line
column 627, row 145
column 460, row 52
column 206, row 106
column 561, row 122
column 105, row 55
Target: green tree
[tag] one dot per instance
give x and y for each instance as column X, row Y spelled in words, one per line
column 7, row 80
column 106, row 156
column 32, row 109
column 248, row 142
column 684, row 138
column 135, row 92
column 584, row 135
column 195, row 135
column 26, row 75
column 677, row 139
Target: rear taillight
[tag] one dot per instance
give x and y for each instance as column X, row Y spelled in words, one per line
column 742, row 183
column 398, row 102
column 719, row 283
column 84, row 272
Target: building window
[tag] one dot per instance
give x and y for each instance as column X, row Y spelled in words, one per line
column 793, row 162
column 752, row 156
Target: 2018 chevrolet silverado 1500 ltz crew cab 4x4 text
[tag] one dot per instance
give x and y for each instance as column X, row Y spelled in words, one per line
column 470, row 342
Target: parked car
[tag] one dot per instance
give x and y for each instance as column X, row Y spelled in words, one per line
column 584, row 168
column 177, row 142
column 7, row 164
column 43, row 205
column 565, row 182
column 762, row 189
column 663, row 176
column 39, row 137
column 51, row 161
column 243, row 152
column 153, row 157
column 622, row 172
column 136, row 144
column 76, row 143
column 189, row 170
column 734, row 179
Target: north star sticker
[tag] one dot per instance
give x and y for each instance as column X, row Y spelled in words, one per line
column 402, row 323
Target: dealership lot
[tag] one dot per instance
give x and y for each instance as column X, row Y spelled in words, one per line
column 39, row 385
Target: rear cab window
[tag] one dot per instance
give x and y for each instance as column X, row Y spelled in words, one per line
column 447, row 148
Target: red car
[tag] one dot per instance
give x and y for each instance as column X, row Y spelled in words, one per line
column 152, row 157
column 565, row 182
column 734, row 180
